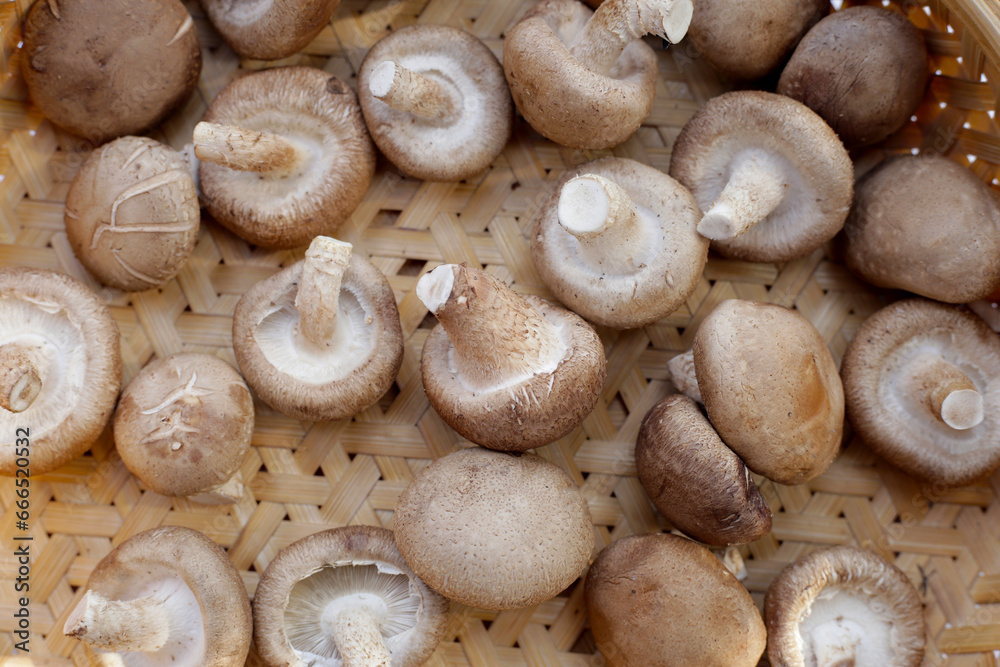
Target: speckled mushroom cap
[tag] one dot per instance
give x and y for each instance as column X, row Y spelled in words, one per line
column 184, row 423
column 896, row 237
column 764, row 161
column 843, row 606
column 315, row 600
column 913, row 367
column 132, row 213
column 506, row 371
column 643, row 259
column 167, row 596
column 494, row 530
column 771, row 389
column 105, row 68
column 316, row 117
column 443, row 110
column 60, row 367
column 659, row 600
column 269, row 29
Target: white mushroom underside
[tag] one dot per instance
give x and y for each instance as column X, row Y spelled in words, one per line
column 843, row 623
column 247, row 12
column 581, row 261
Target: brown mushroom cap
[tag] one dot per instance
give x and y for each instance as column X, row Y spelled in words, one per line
column 444, row 111
column 642, row 259
column 132, row 213
column 506, row 371
column 896, row 238
column 863, row 69
column 317, row 118
column 57, row 338
column 494, row 530
column 314, row 600
column 658, row 600
column 773, row 178
column 747, row 40
column 771, row 389
column 911, row 368
column 184, row 423
column 105, row 68
column 269, row 29
column 843, row 606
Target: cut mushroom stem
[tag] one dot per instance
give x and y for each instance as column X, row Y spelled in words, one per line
column 682, row 374
column 605, row 221
column 226, row 493
column 950, row 394
column 20, row 377
column 119, row 625
column 319, row 291
column 246, row 150
column 755, row 189
column 411, row 92
column 358, row 637
column 617, row 23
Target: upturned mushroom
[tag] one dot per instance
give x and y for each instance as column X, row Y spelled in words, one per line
column 922, row 381
column 775, row 182
column 60, row 368
column 320, row 340
column 617, row 242
column 183, row 427
column 494, row 530
column 895, row 236
column 168, row 596
column 843, row 606
column 660, row 600
column 506, row 371
column 585, row 79
column 105, row 68
column 436, row 102
column 285, row 156
column 269, row 29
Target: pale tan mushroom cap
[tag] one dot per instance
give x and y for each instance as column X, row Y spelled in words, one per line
column 269, row 29
column 77, row 342
column 494, row 530
column 894, row 421
column 317, row 113
column 843, row 602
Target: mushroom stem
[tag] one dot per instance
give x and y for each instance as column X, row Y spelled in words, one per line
column 682, row 374
column 246, row 150
column 358, row 638
column 498, row 337
column 835, row 646
column 617, row 23
column 119, row 625
column 318, row 297
column 754, row 190
column 411, row 92
column 226, row 493
column 949, row 393
column 20, row 377
column 605, row 221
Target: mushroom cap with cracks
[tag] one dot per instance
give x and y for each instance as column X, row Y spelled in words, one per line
column 452, row 120
column 60, row 367
column 345, row 593
column 843, row 606
column 913, row 367
column 269, row 29
column 624, row 255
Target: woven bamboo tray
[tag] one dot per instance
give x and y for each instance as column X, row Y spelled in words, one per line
column 303, row 477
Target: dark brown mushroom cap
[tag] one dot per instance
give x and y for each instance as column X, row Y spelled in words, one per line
column 660, row 600
column 863, row 69
column 674, row 259
column 350, row 546
column 894, row 421
column 747, row 40
column 494, row 530
column 77, row 340
column 817, row 169
column 828, row 599
column 771, row 389
column 184, row 423
column 897, row 237
column 105, row 68
column 465, row 143
column 269, row 29
column 561, row 98
column 694, row 480
column 132, row 213
column 369, row 305
column 314, row 110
